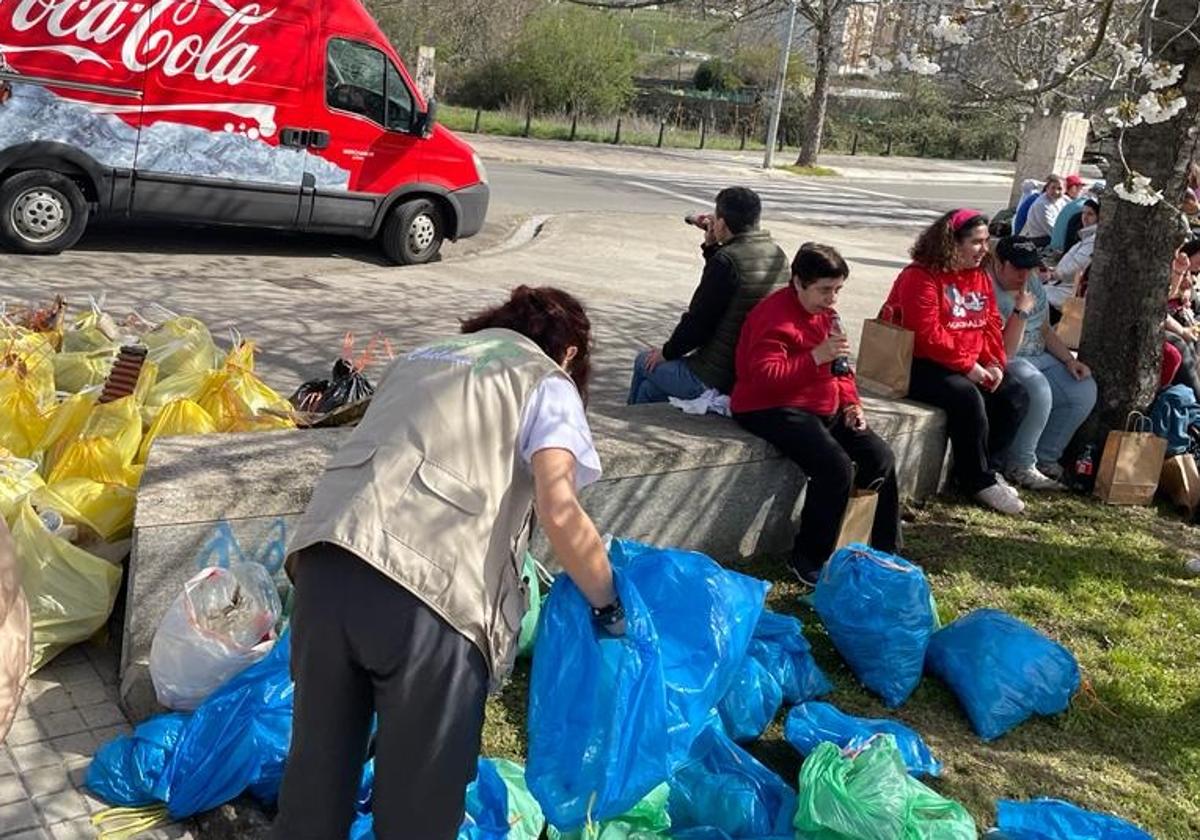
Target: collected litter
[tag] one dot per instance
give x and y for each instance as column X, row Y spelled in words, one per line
column 780, row 647
column 812, row 723
column 751, row 703
column 1054, row 819
column 878, row 610
column 347, row 385
column 1002, row 670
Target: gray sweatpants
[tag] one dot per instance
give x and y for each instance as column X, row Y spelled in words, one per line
column 362, row 645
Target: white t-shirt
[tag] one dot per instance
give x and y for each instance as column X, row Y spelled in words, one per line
column 555, row 419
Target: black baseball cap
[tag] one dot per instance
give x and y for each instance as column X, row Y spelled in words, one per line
column 1020, row 251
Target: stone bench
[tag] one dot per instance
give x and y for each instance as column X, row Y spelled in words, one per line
column 669, row 478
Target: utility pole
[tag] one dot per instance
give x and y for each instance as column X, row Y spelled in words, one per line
column 777, row 106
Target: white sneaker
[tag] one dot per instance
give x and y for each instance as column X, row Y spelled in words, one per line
column 1031, row 478
column 1001, row 499
column 1004, row 485
column 1192, row 566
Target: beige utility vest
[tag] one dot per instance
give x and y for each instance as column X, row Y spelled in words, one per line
column 430, row 490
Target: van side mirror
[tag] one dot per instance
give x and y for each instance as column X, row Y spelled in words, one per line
column 426, row 120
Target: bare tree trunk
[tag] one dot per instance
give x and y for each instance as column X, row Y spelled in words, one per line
column 1130, row 273
column 814, row 120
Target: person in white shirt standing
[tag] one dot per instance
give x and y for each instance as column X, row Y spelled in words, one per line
column 1039, row 224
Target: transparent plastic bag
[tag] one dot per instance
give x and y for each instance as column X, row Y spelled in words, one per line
column 220, row 624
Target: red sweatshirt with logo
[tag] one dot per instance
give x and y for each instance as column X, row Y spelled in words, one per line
column 952, row 313
column 774, row 363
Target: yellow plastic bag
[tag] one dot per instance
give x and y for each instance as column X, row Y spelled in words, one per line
column 18, row 478
column 180, row 417
column 106, row 446
column 74, row 372
column 188, row 385
column 70, row 591
column 182, row 344
column 64, row 424
column 235, row 397
column 93, row 330
column 29, row 356
column 22, row 423
column 106, row 509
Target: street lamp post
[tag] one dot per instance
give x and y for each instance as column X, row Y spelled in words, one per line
column 777, row 106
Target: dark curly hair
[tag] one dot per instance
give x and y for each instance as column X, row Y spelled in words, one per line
column 937, row 244
column 552, row 319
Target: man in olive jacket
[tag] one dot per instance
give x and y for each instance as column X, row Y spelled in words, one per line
column 742, row 265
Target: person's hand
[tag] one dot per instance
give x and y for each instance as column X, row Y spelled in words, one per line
column 1025, row 301
column 995, row 375
column 1078, row 370
column 711, row 231
column 977, row 374
column 854, row 418
column 829, row 349
column 653, row 357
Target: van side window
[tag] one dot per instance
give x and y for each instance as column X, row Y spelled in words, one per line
column 354, row 79
column 399, row 101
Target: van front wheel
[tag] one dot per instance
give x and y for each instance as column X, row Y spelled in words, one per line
column 413, row 232
column 41, row 212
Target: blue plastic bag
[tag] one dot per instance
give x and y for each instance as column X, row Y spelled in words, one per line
column 879, row 614
column 811, row 723
column 597, row 709
column 779, row 645
column 499, row 805
column 751, row 703
column 1054, row 819
column 727, row 792
column 610, row 718
column 1002, row 670
column 126, row 771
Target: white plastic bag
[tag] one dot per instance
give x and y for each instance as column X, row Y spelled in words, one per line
column 221, row 623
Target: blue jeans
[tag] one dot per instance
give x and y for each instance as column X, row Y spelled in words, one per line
column 668, row 379
column 1058, row 405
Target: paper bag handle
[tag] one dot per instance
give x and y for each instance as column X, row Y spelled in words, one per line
column 1135, row 421
column 891, row 314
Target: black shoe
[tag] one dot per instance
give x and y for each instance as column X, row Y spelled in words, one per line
column 807, row 578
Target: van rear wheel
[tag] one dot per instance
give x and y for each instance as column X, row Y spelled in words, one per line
column 413, row 232
column 41, row 212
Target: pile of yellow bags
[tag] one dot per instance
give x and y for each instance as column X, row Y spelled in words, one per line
column 66, row 456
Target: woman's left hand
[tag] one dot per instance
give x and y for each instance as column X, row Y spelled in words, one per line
column 854, row 418
column 1078, row 370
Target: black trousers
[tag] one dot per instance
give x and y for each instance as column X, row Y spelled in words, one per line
column 980, row 422
column 828, row 453
column 363, row 646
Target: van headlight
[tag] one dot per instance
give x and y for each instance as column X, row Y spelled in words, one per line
column 480, row 169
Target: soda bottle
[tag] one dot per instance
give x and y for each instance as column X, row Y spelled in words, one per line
column 841, row 365
column 1085, row 464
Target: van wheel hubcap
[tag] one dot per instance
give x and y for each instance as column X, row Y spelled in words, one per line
column 422, row 232
column 41, row 214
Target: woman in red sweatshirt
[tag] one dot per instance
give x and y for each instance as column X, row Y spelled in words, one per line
column 947, row 300
column 794, row 388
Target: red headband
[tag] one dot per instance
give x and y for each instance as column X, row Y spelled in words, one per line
column 961, row 217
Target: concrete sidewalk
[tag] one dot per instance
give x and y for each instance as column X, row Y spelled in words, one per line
column 603, row 156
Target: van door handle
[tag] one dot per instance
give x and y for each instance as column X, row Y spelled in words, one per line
column 294, row 137
column 318, row 139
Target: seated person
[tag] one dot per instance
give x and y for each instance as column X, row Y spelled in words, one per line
column 1030, row 190
column 1062, row 284
column 1060, row 388
column 946, row 299
column 742, row 265
column 789, row 393
column 1043, row 213
column 1074, row 205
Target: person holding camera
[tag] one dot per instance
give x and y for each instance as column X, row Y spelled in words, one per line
column 795, row 389
column 742, row 265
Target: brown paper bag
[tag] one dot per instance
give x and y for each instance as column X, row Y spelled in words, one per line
column 1180, row 482
column 885, row 356
column 859, row 518
column 1070, row 328
column 1131, row 464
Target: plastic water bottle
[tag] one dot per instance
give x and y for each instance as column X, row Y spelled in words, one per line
column 841, row 365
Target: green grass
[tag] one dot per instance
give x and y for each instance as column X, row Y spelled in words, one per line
column 1105, row 581
column 810, row 171
column 635, row 131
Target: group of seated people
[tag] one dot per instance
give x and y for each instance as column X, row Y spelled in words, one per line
column 765, row 331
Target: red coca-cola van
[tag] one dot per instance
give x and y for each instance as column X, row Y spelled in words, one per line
column 276, row 113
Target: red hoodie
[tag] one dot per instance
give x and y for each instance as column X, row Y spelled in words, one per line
column 775, row 367
column 953, row 314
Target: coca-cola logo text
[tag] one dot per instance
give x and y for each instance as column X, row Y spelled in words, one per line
column 152, row 34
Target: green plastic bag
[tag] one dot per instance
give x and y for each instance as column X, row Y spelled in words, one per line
column 524, row 814
column 648, row 820
column 872, row 795
column 529, row 573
